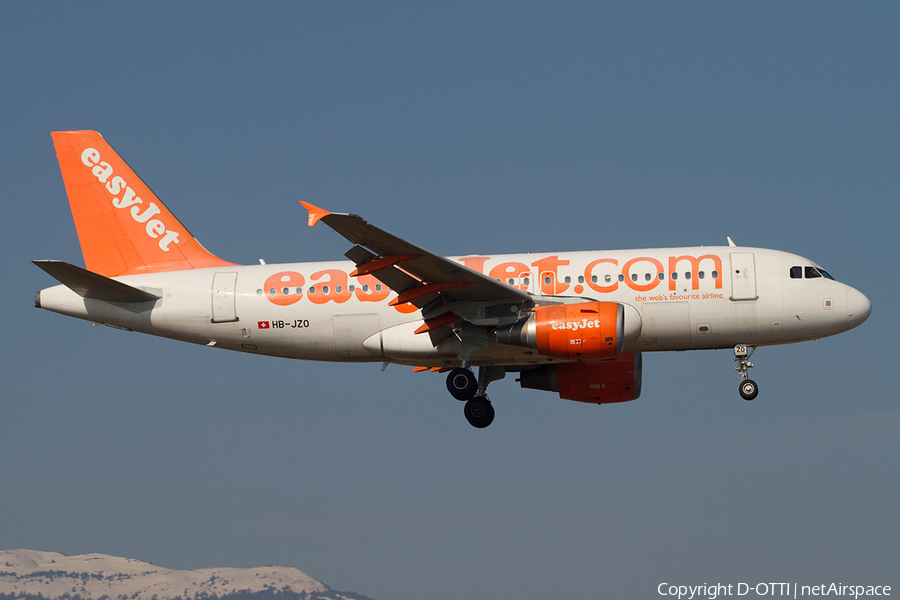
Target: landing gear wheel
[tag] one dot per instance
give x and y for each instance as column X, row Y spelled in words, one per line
column 748, row 389
column 479, row 412
column 461, row 383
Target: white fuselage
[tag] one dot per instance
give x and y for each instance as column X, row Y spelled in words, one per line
column 687, row 298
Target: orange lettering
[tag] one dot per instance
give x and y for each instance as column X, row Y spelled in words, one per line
column 547, row 269
column 626, row 271
column 510, row 270
column 283, row 288
column 334, row 289
column 589, row 276
column 374, row 293
column 695, row 269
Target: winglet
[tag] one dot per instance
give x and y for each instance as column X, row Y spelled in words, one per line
column 315, row 213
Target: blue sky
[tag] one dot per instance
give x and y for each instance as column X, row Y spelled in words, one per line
column 467, row 128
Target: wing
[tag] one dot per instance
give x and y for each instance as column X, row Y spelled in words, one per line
column 445, row 290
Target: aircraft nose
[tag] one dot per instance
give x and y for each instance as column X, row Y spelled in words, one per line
column 858, row 307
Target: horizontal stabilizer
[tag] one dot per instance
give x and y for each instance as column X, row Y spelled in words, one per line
column 91, row 285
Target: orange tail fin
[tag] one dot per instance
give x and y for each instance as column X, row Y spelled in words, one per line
column 122, row 226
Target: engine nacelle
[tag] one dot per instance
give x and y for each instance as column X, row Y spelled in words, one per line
column 582, row 331
column 596, row 381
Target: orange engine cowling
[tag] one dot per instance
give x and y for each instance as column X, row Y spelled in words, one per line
column 582, row 331
column 596, row 381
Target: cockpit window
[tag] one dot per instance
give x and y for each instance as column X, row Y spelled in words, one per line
column 809, row 273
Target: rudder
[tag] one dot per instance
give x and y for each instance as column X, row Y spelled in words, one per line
column 122, row 226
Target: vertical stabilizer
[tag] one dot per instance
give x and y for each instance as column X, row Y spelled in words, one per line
column 122, row 226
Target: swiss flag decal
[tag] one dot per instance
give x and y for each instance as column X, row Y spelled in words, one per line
column 262, row 324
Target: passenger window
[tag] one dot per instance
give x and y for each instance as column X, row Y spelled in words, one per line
column 647, row 276
column 715, row 274
column 687, row 274
column 662, row 276
column 526, row 281
column 621, row 277
column 324, row 289
column 337, row 289
column 796, row 272
column 634, row 276
column 568, row 279
column 701, row 275
column 811, row 273
column 259, row 292
column 547, row 280
column 377, row 287
column 674, row 275
column 510, row 281
column 272, row 292
column 581, row 279
column 312, row 290
column 286, row 291
column 350, row 289
column 299, row 291
column 366, row 288
column 594, row 278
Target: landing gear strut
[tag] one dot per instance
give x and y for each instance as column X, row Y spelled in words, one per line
column 463, row 385
column 748, row 387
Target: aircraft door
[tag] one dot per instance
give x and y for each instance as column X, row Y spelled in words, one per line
column 223, row 287
column 743, row 276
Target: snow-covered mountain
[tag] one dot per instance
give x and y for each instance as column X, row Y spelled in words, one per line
column 33, row 574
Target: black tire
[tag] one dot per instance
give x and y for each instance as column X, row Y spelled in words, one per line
column 479, row 412
column 461, row 383
column 748, row 389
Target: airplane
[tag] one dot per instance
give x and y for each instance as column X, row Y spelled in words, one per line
column 574, row 323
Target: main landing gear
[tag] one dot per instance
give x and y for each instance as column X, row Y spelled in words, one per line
column 463, row 385
column 748, row 387
column 479, row 412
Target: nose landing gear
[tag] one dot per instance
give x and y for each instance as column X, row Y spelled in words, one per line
column 748, row 388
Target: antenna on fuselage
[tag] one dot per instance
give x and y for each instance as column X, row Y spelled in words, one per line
column 730, row 241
